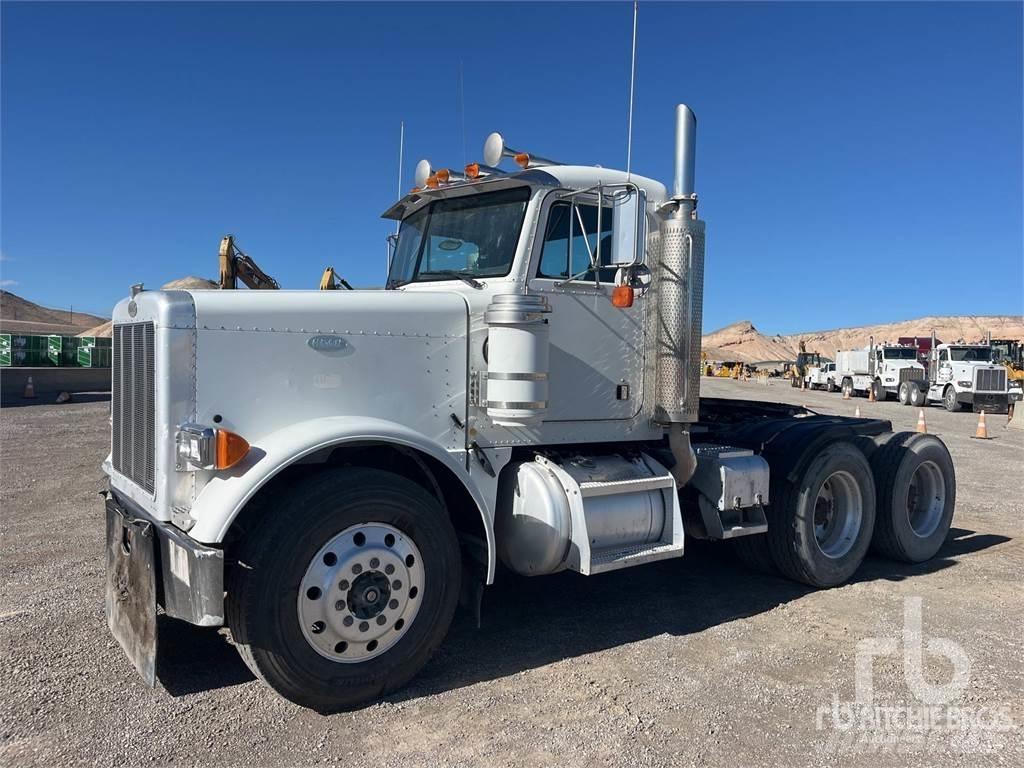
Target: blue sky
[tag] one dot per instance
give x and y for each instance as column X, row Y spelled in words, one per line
column 856, row 162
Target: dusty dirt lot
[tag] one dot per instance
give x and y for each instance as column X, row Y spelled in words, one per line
column 690, row 662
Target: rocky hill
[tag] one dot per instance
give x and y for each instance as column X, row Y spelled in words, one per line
column 743, row 342
column 19, row 315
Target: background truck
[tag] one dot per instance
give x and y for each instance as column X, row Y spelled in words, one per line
column 967, row 376
column 523, row 398
column 822, row 376
column 887, row 369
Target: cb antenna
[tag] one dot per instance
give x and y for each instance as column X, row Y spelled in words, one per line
column 632, row 82
column 392, row 240
column 401, row 153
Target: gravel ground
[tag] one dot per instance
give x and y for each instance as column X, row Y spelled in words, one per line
column 690, row 662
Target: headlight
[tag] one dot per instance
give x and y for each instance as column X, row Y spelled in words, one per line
column 202, row 447
column 196, row 447
column 964, row 384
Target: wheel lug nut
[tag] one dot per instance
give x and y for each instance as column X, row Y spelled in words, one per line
column 340, row 605
column 396, row 584
column 348, row 621
column 374, row 562
column 389, row 569
column 393, row 604
column 363, row 626
column 357, row 568
column 381, row 620
column 343, row 585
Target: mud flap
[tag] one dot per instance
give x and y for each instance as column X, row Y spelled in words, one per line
column 131, row 588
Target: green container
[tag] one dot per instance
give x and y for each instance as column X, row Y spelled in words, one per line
column 62, row 350
column 94, row 357
column 5, row 350
column 25, row 350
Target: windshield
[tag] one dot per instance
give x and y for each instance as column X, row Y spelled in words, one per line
column 473, row 236
column 970, row 354
column 900, row 353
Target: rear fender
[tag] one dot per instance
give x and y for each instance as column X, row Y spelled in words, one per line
column 224, row 496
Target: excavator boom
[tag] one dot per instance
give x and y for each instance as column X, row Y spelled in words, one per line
column 236, row 266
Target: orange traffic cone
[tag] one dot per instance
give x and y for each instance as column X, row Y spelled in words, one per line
column 856, row 413
column 981, row 433
column 871, row 393
column 922, row 425
column 30, row 388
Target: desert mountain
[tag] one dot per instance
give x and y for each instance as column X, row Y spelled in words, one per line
column 743, row 342
column 19, row 315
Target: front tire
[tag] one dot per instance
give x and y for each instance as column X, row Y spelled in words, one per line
column 949, row 400
column 830, row 385
column 347, row 590
column 904, row 393
column 820, row 525
column 878, row 391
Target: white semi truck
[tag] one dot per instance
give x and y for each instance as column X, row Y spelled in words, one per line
column 883, row 369
column 327, row 473
column 966, row 376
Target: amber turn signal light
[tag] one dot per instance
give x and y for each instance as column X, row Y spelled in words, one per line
column 231, row 449
column 443, row 175
column 432, row 182
column 522, row 160
column 473, row 171
column 622, row 296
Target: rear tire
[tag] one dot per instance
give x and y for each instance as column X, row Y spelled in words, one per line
column 918, row 396
column 820, row 526
column 386, row 530
column 916, row 487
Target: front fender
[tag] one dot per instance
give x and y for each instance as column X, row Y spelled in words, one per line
column 224, row 496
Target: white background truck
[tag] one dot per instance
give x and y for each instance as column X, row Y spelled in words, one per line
column 885, row 369
column 523, row 398
column 822, row 376
column 965, row 376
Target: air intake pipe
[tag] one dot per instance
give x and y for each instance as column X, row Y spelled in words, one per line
column 677, row 250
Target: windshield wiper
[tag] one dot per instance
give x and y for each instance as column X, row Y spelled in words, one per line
column 452, row 273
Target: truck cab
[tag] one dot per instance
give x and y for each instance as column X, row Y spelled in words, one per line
column 965, row 376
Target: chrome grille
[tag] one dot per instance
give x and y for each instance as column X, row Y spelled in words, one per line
column 133, row 403
column 990, row 380
column 911, row 374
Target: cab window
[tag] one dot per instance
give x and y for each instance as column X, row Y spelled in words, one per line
column 560, row 260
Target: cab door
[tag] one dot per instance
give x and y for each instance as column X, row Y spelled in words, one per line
column 596, row 349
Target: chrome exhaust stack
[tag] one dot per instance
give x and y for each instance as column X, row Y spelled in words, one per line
column 677, row 250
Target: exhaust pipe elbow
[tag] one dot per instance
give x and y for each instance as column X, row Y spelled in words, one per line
column 682, row 452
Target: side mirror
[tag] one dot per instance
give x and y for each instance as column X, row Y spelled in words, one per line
column 629, row 227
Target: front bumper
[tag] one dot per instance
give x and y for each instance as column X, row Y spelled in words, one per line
column 989, row 402
column 151, row 563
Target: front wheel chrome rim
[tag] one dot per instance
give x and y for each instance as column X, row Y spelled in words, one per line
column 838, row 512
column 361, row 592
column 926, row 498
